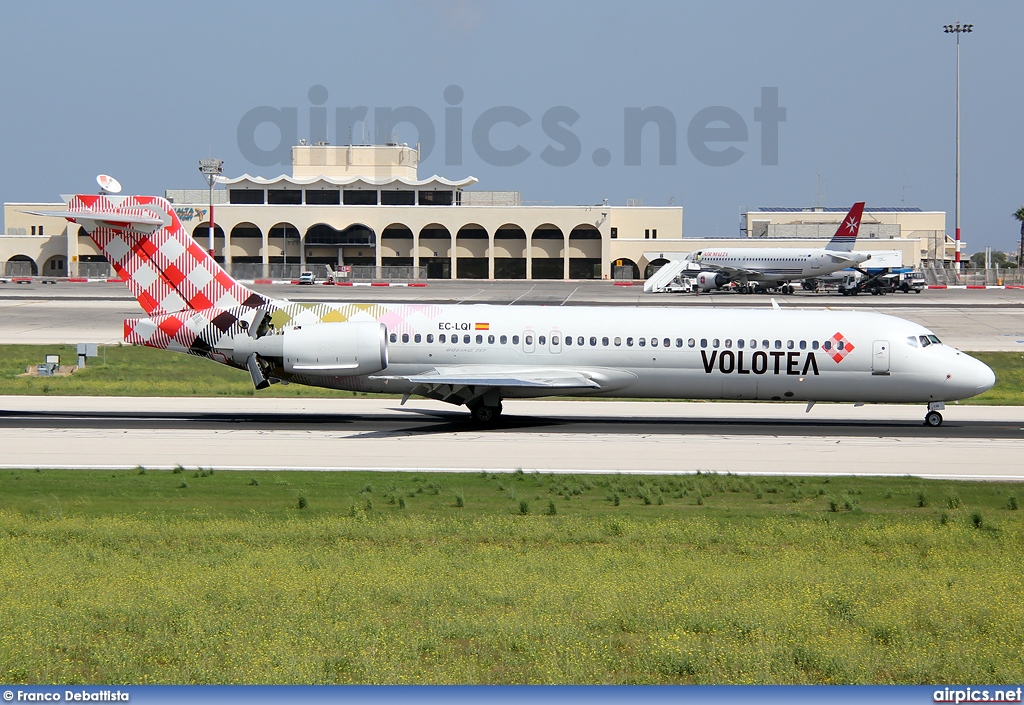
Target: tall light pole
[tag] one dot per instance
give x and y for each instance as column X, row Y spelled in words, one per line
column 211, row 169
column 958, row 29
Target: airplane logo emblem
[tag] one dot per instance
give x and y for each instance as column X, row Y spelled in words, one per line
column 837, row 347
column 851, row 225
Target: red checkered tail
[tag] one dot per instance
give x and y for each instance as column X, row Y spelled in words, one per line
column 147, row 246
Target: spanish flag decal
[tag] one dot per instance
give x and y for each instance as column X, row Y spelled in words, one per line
column 483, row 326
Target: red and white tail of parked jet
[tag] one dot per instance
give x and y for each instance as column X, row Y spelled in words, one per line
column 479, row 355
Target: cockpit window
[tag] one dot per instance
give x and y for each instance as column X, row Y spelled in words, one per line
column 912, row 341
column 935, row 339
column 925, row 342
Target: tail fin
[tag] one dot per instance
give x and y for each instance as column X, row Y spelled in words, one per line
column 846, row 234
column 147, row 246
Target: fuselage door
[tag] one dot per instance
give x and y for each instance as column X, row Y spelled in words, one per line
column 529, row 342
column 555, row 342
column 880, row 357
column 815, row 262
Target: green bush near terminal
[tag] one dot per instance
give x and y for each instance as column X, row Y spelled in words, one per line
column 191, row 576
column 122, row 370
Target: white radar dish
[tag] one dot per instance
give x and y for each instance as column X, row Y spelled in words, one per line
column 108, row 183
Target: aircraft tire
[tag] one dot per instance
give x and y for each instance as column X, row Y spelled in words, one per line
column 484, row 414
column 933, row 419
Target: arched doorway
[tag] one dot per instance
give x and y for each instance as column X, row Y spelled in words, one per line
column 396, row 243
column 201, row 234
column 355, row 245
column 283, row 251
column 56, row 266
column 654, row 266
column 20, row 266
column 547, row 250
column 510, row 252
column 625, row 269
column 435, row 251
column 471, row 252
column 585, row 252
column 246, row 250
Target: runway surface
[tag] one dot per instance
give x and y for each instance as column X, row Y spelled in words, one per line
column 545, row 436
column 68, row 313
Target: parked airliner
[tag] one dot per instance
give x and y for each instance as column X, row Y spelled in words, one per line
column 479, row 355
column 776, row 267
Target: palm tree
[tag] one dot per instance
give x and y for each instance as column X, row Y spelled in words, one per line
column 1019, row 215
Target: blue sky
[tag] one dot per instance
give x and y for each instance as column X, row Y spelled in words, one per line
column 144, row 90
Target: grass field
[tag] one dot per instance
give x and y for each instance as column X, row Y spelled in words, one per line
column 144, row 576
column 137, row 371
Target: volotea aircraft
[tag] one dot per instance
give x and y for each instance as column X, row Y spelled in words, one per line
column 479, row 355
column 776, row 267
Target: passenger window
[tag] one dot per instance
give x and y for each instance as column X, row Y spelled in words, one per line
column 441, row 338
column 679, row 342
column 764, row 344
column 618, row 341
column 642, row 342
column 465, row 339
column 593, row 341
column 554, row 340
column 740, row 343
column 814, row 345
column 580, row 340
column 528, row 340
column 515, row 339
column 418, row 338
column 728, row 342
column 490, row 340
column 604, row 342
column 703, row 342
column 504, row 339
column 629, row 342
column 479, row 339
column 654, row 342
column 778, row 345
column 803, row 344
column 691, row 343
column 827, row 345
column 430, row 337
column 405, row 337
column 568, row 340
column 394, row 337
column 789, row 345
column 542, row 340
column 714, row 343
column 841, row 345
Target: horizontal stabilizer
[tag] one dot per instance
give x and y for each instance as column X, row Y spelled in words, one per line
column 142, row 222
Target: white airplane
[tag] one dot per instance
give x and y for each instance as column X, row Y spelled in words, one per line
column 775, row 267
column 479, row 355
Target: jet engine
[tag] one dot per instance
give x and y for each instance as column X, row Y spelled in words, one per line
column 317, row 349
column 707, row 281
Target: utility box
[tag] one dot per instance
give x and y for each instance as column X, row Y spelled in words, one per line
column 85, row 351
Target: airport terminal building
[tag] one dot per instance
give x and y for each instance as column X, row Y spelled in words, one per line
column 364, row 211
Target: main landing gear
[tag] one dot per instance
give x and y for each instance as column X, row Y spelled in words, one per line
column 933, row 418
column 485, row 414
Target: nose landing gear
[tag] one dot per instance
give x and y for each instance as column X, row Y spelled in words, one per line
column 933, row 418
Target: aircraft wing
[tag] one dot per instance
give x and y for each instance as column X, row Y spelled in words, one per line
column 476, row 380
column 731, row 272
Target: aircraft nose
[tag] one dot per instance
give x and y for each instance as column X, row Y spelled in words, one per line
column 974, row 376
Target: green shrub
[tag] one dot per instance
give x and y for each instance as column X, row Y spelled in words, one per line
column 1011, row 502
column 524, row 507
column 303, row 502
